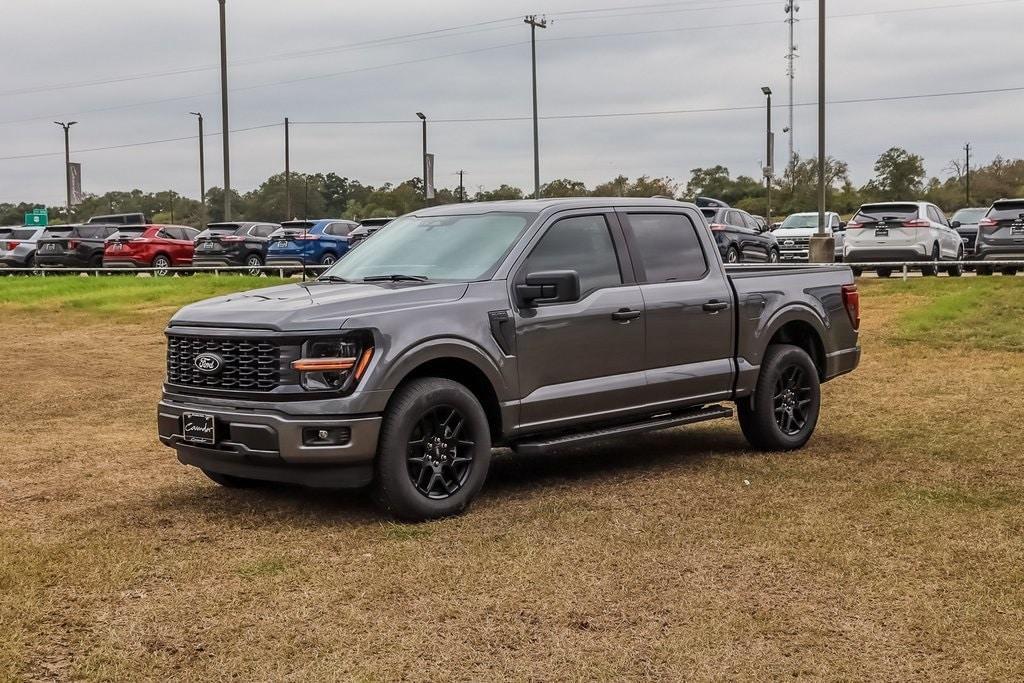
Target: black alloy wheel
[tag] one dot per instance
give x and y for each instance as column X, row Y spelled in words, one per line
column 440, row 454
column 254, row 262
column 791, row 400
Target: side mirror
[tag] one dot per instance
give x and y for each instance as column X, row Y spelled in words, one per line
column 842, row 226
column 956, row 224
column 549, row 287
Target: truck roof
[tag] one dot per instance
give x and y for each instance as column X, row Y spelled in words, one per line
column 538, row 205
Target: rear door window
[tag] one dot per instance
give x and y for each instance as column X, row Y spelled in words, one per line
column 340, row 229
column 583, row 244
column 668, row 247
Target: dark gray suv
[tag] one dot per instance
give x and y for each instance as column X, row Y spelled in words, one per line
column 528, row 324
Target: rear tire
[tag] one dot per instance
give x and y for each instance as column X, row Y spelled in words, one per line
column 732, row 255
column 328, row 259
column 1010, row 271
column 930, row 270
column 254, row 262
column 983, row 270
column 957, row 269
column 232, row 482
column 883, row 272
column 434, row 451
column 160, row 265
column 773, row 256
column 783, row 411
column 857, row 272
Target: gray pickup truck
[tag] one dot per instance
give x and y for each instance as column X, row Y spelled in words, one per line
column 529, row 324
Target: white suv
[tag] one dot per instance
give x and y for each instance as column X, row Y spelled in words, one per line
column 893, row 232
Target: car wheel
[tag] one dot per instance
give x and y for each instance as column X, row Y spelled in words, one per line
column 328, row 259
column 957, row 269
column 160, row 265
column 857, row 272
column 773, row 256
column 434, row 451
column 783, row 410
column 983, row 270
column 230, row 481
column 883, row 272
column 254, row 262
column 1009, row 271
column 931, row 270
column 732, row 255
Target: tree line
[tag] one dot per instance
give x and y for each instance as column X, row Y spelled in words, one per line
column 898, row 174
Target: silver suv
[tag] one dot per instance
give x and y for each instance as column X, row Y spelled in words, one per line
column 895, row 232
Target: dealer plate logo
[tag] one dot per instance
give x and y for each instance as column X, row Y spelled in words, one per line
column 208, row 363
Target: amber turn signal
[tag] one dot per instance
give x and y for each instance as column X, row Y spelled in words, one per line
column 323, row 364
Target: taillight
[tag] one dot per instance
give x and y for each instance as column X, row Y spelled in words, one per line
column 718, row 227
column 851, row 301
column 232, row 238
column 72, row 244
column 917, row 223
column 305, row 236
column 853, row 225
column 13, row 243
column 987, row 222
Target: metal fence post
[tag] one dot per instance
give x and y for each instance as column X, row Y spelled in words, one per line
column 905, row 270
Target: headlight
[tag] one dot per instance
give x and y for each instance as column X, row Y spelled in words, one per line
column 334, row 363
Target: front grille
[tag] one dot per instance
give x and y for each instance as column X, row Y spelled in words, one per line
column 247, row 364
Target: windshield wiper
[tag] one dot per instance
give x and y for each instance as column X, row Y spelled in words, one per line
column 333, row 278
column 396, row 277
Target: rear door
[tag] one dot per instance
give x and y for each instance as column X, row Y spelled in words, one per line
column 580, row 360
column 689, row 329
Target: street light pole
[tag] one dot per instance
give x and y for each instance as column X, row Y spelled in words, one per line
column 535, row 23
column 423, row 118
column 287, row 174
column 967, row 171
column 822, row 245
column 202, row 171
column 67, row 163
column 769, row 154
column 224, row 110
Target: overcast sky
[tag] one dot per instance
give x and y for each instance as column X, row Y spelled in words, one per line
column 649, row 55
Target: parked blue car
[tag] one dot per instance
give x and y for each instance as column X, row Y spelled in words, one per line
column 318, row 242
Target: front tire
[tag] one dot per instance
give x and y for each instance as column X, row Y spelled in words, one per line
column 783, row 411
column 883, row 272
column 732, row 255
column 857, row 272
column 957, row 269
column 254, row 262
column 932, row 270
column 434, row 451
column 773, row 256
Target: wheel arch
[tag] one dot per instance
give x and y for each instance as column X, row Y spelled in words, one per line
column 801, row 332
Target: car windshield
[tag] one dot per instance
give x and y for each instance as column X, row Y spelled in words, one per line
column 872, row 213
column 968, row 216
column 459, row 248
column 801, row 221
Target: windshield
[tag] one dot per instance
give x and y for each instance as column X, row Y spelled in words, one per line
column 807, row 220
column 968, row 216
column 458, row 248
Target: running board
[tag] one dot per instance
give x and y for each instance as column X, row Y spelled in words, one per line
column 660, row 421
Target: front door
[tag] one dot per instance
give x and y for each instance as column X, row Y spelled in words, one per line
column 582, row 360
column 688, row 310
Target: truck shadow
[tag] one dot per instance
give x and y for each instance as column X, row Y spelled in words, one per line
column 652, row 454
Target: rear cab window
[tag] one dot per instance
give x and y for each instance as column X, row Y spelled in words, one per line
column 668, row 246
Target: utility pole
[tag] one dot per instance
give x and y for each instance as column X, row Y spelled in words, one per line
column 202, row 172
column 462, row 187
column 287, row 174
column 423, row 118
column 172, row 205
column 769, row 154
column 224, row 110
column 791, row 9
column 822, row 246
column 535, row 23
column 67, row 163
column 967, row 171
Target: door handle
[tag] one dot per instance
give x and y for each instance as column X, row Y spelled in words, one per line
column 625, row 314
column 714, row 306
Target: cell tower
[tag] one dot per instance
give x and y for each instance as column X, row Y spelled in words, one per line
column 792, row 7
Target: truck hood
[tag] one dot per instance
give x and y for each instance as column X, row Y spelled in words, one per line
column 313, row 305
column 780, row 233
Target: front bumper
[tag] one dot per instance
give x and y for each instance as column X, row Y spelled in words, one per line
column 267, row 444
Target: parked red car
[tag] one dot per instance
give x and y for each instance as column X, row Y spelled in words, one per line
column 150, row 246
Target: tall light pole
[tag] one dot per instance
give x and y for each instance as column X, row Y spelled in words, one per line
column 462, row 187
column 769, row 153
column 423, row 118
column 287, row 174
column 791, row 9
column 822, row 245
column 967, row 171
column 67, row 163
column 224, row 110
column 202, row 170
column 535, row 24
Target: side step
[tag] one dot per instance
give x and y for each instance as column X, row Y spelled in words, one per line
column 660, row 421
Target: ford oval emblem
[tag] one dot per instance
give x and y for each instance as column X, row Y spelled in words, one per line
column 208, row 363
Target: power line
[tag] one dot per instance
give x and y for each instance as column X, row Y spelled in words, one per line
column 491, row 48
column 549, row 117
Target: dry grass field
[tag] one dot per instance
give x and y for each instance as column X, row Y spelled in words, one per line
column 889, row 549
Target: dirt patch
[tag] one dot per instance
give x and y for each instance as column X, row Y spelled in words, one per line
column 888, row 549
